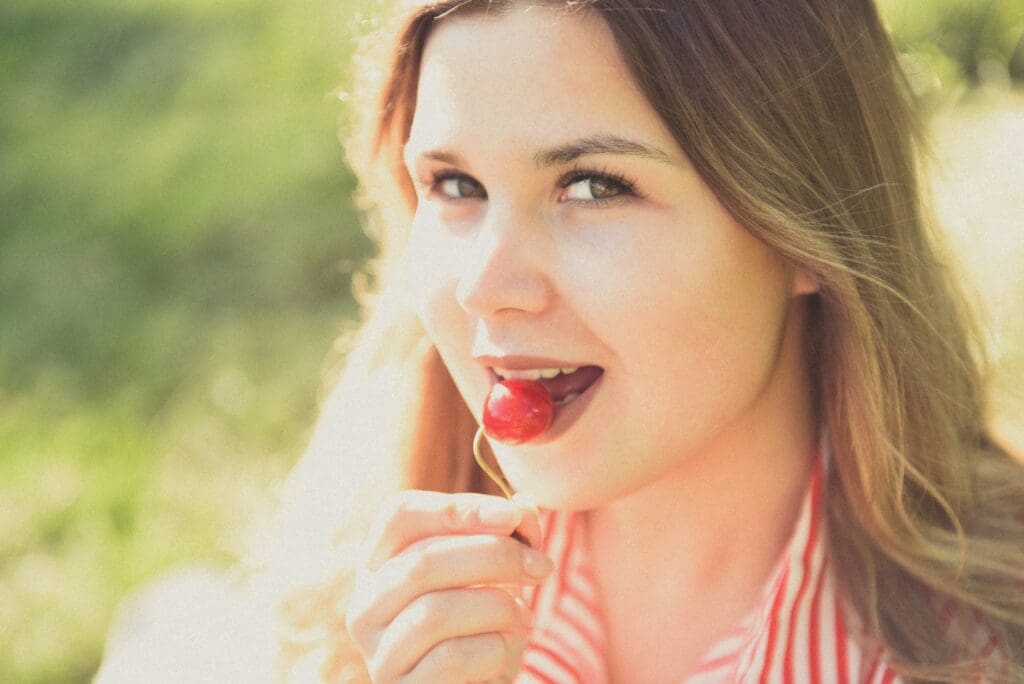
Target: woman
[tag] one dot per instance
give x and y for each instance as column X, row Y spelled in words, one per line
column 774, row 464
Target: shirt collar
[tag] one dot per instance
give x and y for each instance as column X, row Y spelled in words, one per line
column 568, row 639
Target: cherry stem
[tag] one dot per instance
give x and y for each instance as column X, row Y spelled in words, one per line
column 498, row 480
column 494, row 476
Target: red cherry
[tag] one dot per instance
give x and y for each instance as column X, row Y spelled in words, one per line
column 516, row 411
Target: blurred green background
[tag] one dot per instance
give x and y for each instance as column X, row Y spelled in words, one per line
column 177, row 248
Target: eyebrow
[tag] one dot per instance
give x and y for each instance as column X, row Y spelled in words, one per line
column 573, row 150
column 599, row 144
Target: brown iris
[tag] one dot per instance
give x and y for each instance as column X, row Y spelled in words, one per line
column 469, row 188
column 604, row 189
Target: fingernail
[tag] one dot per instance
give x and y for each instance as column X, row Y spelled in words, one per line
column 537, row 564
column 500, row 514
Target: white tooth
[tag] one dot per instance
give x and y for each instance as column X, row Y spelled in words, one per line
column 566, row 371
column 532, row 374
column 518, row 374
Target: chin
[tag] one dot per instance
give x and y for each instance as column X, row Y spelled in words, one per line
column 558, row 492
column 556, row 480
column 560, row 500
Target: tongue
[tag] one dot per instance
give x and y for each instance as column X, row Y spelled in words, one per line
column 561, row 386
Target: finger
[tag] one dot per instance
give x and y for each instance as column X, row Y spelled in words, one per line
column 442, row 615
column 515, row 644
column 414, row 515
column 530, row 526
column 439, row 563
column 469, row 659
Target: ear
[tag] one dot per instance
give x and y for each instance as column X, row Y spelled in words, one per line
column 804, row 283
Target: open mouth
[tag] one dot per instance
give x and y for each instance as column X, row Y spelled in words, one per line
column 565, row 385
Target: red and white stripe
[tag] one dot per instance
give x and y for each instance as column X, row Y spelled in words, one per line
column 801, row 631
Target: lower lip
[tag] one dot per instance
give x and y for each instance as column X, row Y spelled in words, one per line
column 566, row 416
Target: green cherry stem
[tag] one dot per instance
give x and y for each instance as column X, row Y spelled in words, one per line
column 498, row 480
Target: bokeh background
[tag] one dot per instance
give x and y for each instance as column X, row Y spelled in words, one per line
column 177, row 252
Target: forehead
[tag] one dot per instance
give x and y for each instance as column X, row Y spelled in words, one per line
column 526, row 75
column 525, row 35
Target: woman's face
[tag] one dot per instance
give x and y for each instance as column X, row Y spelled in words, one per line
column 558, row 219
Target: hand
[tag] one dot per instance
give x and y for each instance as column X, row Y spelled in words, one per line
column 437, row 593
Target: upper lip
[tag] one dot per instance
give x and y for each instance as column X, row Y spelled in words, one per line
column 518, row 362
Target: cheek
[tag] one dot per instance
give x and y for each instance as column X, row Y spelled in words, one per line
column 694, row 315
column 646, row 290
column 429, row 270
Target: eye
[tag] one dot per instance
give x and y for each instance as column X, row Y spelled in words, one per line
column 595, row 187
column 457, row 186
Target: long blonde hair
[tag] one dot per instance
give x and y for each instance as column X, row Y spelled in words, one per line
column 799, row 119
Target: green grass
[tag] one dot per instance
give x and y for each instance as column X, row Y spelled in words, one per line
column 176, row 251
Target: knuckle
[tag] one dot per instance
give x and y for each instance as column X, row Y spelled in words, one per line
column 384, row 665
column 399, row 504
column 355, row 621
column 422, row 566
column 502, row 606
column 427, row 613
column 512, row 657
column 514, row 643
column 504, row 553
column 393, row 515
column 494, row 650
column 386, row 523
column 450, row 658
column 511, row 613
column 376, row 667
column 394, row 506
column 388, row 655
column 447, row 656
column 453, row 516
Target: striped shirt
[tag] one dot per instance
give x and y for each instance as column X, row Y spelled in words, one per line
column 800, row 631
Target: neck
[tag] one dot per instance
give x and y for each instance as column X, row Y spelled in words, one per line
column 741, row 504
column 703, row 541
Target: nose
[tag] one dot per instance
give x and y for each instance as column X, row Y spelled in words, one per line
column 504, row 268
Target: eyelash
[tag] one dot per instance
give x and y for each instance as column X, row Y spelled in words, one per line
column 575, row 175
column 580, row 173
